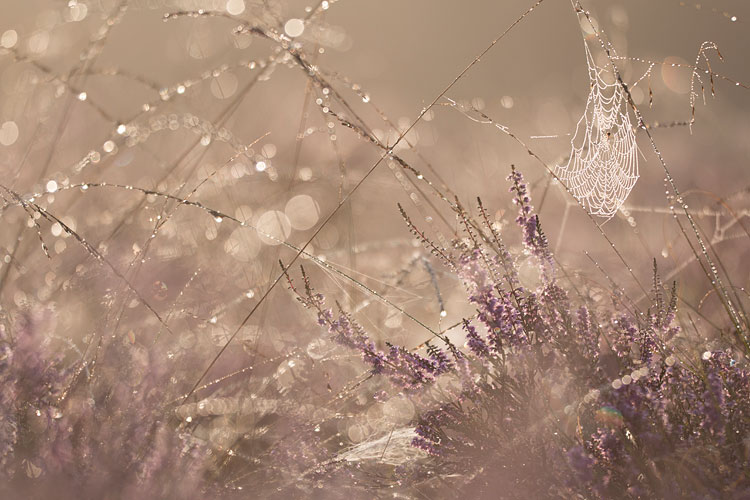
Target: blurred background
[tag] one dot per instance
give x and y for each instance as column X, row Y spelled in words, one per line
column 102, row 91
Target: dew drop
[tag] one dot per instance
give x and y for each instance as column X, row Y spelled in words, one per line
column 235, row 7
column 9, row 39
column 77, row 11
column 8, row 133
column 273, row 227
column 224, row 85
column 294, row 27
column 303, row 212
column 38, row 42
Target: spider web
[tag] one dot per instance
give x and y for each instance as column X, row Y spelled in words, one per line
column 603, row 167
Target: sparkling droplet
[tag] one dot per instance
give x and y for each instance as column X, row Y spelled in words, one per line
column 235, row 7
column 8, row 133
column 9, row 39
column 303, row 212
column 294, row 27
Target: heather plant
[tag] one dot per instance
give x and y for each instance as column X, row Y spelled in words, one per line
column 89, row 441
column 558, row 396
